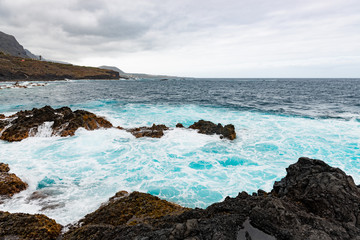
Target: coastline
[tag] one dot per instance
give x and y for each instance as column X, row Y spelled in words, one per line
column 297, row 207
column 294, row 209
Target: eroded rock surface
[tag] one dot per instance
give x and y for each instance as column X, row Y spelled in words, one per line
column 209, row 128
column 9, row 182
column 62, row 122
column 155, row 131
column 313, row 201
column 27, row 226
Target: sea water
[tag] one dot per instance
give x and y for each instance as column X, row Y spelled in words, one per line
column 276, row 120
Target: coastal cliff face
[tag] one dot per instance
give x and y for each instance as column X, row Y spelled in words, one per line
column 17, row 68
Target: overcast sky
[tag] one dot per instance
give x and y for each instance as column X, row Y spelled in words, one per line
column 201, row 38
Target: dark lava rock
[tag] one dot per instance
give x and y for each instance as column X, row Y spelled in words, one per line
column 9, row 182
column 155, row 131
column 64, row 122
column 314, row 201
column 123, row 210
column 179, row 125
column 209, row 128
column 4, row 167
column 27, row 226
column 322, row 190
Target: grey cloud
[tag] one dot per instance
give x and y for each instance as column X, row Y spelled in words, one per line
column 108, row 28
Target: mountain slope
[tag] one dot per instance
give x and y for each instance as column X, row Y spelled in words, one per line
column 9, row 45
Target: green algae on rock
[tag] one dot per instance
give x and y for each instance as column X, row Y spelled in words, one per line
column 28, row 226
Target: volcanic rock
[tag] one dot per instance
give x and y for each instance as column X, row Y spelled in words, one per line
column 313, row 201
column 123, row 210
column 27, row 226
column 179, row 125
column 4, row 167
column 155, row 131
column 9, row 182
column 209, row 128
column 63, row 122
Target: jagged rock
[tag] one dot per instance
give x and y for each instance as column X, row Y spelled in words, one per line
column 123, row 210
column 4, row 167
column 9, row 182
column 209, row 128
column 314, row 201
column 131, row 209
column 27, row 226
column 155, row 131
column 64, row 122
column 323, row 190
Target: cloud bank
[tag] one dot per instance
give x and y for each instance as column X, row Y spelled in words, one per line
column 230, row 38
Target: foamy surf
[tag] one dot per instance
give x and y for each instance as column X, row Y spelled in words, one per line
column 72, row 176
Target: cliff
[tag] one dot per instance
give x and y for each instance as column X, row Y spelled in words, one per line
column 18, row 68
column 9, row 45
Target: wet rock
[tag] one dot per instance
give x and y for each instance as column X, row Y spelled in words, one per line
column 62, row 122
column 323, row 190
column 179, row 125
column 27, row 226
column 124, row 209
column 4, row 167
column 209, row 128
column 313, row 201
column 2, row 116
column 155, row 131
column 9, row 182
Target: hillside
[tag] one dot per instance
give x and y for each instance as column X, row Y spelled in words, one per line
column 16, row 68
column 9, row 45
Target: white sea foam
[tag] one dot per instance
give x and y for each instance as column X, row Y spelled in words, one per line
column 44, row 130
column 78, row 173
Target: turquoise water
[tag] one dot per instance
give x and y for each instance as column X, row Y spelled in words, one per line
column 78, row 173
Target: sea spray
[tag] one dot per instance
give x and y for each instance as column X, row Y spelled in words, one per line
column 76, row 174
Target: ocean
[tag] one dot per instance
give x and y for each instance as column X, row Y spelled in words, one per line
column 276, row 120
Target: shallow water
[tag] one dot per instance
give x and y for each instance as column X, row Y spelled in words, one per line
column 78, row 173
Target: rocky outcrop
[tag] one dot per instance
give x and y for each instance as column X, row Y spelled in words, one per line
column 131, row 209
column 313, row 201
column 155, row 131
column 61, row 122
column 209, row 128
column 26, row 226
column 9, row 182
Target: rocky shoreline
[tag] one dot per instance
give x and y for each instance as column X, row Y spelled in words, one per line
column 313, row 201
column 64, row 122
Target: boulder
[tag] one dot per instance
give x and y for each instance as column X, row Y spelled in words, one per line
column 63, row 122
column 322, row 190
column 155, row 131
column 9, row 182
column 28, row 226
column 179, row 125
column 209, row 128
column 2, row 116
